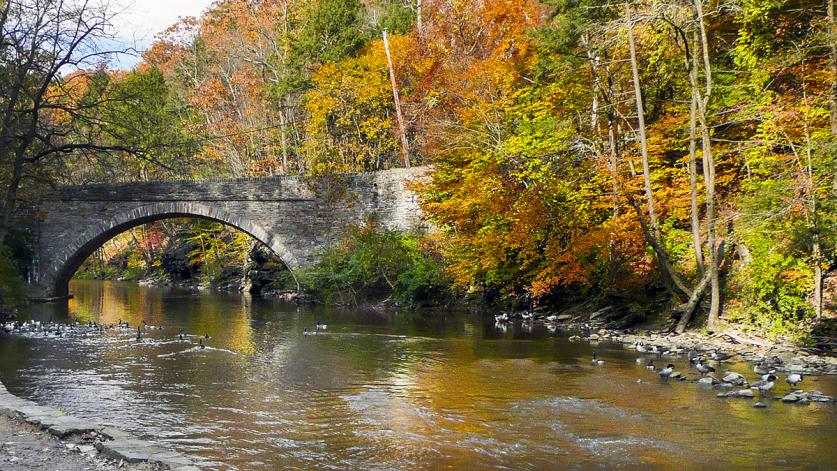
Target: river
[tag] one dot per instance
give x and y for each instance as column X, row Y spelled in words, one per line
column 391, row 390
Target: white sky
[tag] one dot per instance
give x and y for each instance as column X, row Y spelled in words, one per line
column 140, row 20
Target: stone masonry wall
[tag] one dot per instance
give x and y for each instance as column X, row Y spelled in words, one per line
column 296, row 217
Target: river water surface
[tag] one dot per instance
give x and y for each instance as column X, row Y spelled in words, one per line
column 392, row 390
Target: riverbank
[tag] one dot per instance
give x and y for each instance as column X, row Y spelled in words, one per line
column 24, row 447
column 607, row 325
column 34, row 436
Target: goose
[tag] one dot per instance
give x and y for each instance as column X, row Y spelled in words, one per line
column 527, row 316
column 766, row 384
column 719, row 356
column 146, row 325
column 552, row 318
column 306, row 332
column 763, row 368
column 201, row 345
column 794, row 378
column 596, row 361
column 667, row 371
column 703, row 367
column 650, row 364
column 693, row 357
column 639, row 360
column 321, row 326
column 206, row 336
column 501, row 317
column 640, row 347
column 139, row 335
column 181, row 338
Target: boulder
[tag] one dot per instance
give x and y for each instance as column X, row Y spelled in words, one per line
column 734, row 378
column 791, row 397
column 708, row 381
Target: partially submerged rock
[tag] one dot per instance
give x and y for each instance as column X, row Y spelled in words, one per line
column 745, row 393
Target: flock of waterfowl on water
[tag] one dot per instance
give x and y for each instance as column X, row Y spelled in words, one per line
column 703, row 363
column 768, row 373
column 57, row 329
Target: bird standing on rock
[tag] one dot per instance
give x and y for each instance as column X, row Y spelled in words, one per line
column 794, row 378
column 704, row 368
column 719, row 356
column 763, row 368
column 766, row 384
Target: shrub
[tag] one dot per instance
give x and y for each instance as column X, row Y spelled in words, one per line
column 370, row 262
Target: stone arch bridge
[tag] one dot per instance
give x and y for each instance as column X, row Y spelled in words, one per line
column 296, row 217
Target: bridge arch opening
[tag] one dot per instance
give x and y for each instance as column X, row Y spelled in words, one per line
column 85, row 244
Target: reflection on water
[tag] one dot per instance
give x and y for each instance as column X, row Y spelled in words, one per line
column 383, row 390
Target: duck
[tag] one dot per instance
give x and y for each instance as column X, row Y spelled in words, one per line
column 321, row 326
column 719, row 356
column 650, row 364
column 794, row 378
column 596, row 361
column 766, row 383
column 703, row 367
column 667, row 371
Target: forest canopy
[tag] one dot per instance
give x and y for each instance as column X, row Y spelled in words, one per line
column 680, row 148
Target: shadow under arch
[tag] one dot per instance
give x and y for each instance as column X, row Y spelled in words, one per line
column 77, row 251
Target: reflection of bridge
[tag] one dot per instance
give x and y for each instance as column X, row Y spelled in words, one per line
column 294, row 216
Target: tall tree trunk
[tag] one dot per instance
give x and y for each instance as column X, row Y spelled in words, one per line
column 640, row 116
column 670, row 277
column 419, row 20
column 695, row 213
column 832, row 35
column 402, row 129
column 708, row 168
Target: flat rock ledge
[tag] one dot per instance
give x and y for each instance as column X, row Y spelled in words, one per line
column 113, row 443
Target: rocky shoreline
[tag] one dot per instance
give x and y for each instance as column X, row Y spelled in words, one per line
column 781, row 357
column 92, row 446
